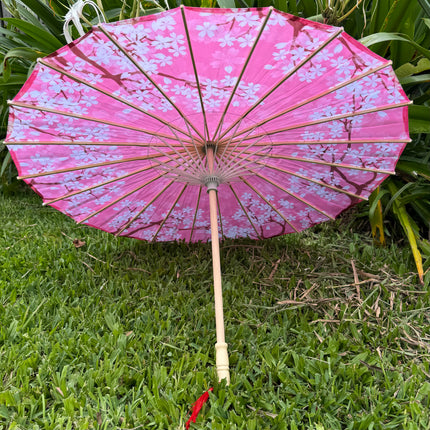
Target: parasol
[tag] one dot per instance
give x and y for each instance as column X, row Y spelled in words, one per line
column 284, row 122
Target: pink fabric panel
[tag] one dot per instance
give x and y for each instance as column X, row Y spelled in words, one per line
column 111, row 129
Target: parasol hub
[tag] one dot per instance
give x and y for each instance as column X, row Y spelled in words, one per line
column 212, row 182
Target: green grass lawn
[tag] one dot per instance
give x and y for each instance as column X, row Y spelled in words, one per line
column 324, row 330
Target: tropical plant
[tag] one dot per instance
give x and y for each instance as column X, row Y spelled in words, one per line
column 396, row 29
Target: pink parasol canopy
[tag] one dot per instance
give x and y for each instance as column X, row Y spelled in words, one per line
column 284, row 121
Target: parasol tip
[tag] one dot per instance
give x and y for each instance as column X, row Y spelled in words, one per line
column 222, row 364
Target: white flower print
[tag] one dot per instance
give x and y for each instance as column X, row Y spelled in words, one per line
column 142, row 49
column 93, row 78
column 313, row 135
column 229, row 81
column 317, row 70
column 89, row 100
column 246, row 40
column 336, row 129
column 45, row 75
column 163, row 60
column 306, row 75
column 99, row 132
column 56, row 84
column 277, row 19
column 226, row 40
column 250, row 91
column 161, row 42
column 164, row 23
column 298, row 53
column 280, row 55
column 248, row 18
column 312, row 44
column 394, row 96
column 343, row 66
column 75, row 67
column 73, row 87
column 212, row 104
column 207, row 29
column 373, row 80
column 177, row 50
column 150, row 66
column 165, row 105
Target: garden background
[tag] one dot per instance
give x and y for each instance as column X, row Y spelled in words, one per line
column 328, row 329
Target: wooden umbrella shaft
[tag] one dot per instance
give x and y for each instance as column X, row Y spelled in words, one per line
column 222, row 363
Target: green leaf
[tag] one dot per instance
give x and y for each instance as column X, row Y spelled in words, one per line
column 413, row 80
column 414, row 168
column 401, row 53
column 410, row 69
column 397, row 195
column 15, row 80
column 41, row 36
column 5, row 413
column 229, row 4
column 24, row 53
column 6, row 161
column 419, row 119
column 46, row 15
column 376, row 217
column 409, row 227
column 425, row 4
column 379, row 12
column 395, row 19
column 389, row 37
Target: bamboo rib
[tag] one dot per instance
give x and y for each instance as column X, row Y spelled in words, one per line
column 197, row 164
column 332, row 118
column 192, row 168
column 259, row 175
column 289, row 172
column 236, row 86
column 170, row 211
column 110, row 94
column 89, row 118
column 240, row 167
column 245, row 211
column 196, row 75
column 93, row 187
column 268, row 203
column 231, row 161
column 131, row 221
column 83, row 143
column 219, row 216
column 137, row 65
column 264, row 144
column 227, row 145
column 287, row 76
column 316, row 97
column 195, row 213
column 327, row 163
column 91, row 166
column 330, row 142
column 120, row 198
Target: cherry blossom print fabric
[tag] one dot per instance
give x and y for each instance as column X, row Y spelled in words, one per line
column 113, row 129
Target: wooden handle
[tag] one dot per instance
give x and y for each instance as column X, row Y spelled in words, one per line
column 220, row 347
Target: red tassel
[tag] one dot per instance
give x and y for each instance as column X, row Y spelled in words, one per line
column 197, row 406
